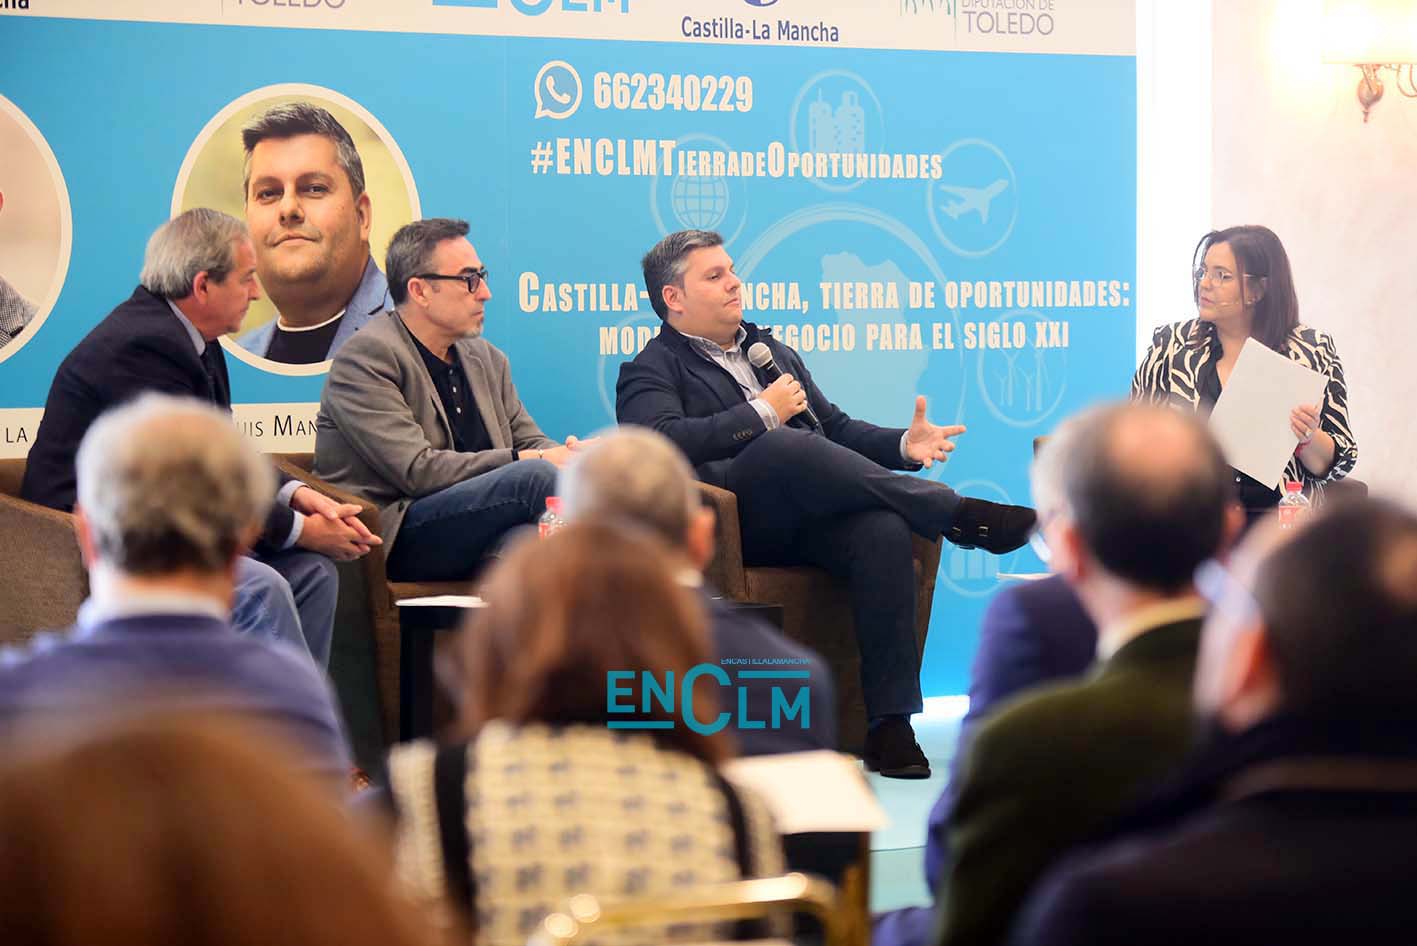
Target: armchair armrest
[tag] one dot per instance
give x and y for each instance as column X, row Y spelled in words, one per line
column 39, row 550
column 725, row 572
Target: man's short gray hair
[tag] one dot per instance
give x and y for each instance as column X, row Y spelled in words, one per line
column 664, row 265
column 169, row 484
column 411, row 251
column 200, row 240
column 302, row 118
column 632, row 476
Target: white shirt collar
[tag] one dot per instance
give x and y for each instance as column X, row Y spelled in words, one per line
column 1119, row 633
column 98, row 609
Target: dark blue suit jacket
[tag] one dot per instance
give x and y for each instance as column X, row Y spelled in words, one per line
column 670, row 388
column 139, row 347
column 1033, row 632
column 738, row 635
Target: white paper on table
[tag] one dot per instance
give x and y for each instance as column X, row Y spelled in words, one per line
column 810, row 791
column 1251, row 419
column 443, row 601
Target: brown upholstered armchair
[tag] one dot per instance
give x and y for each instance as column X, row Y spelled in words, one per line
column 366, row 581
column 39, row 554
column 816, row 609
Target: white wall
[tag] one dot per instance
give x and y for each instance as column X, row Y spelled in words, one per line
column 1173, row 155
column 1291, row 151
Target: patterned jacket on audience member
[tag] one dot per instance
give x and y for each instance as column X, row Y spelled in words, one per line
column 552, row 811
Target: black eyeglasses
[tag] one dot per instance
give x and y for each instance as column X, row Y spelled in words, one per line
column 472, row 280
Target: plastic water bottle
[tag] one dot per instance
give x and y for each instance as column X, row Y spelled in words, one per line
column 551, row 519
column 1294, row 507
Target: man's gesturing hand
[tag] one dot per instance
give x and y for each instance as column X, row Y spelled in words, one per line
column 926, row 442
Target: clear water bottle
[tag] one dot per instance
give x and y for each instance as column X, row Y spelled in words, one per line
column 1294, row 507
column 551, row 519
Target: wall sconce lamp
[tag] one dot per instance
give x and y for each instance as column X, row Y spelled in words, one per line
column 1373, row 35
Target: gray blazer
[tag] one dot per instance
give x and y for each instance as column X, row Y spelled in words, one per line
column 382, row 433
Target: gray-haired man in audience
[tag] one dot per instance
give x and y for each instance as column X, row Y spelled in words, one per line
column 170, row 496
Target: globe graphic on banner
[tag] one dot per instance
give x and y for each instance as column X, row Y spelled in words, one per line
column 699, row 203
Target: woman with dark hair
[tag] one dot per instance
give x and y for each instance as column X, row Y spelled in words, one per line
column 1243, row 289
column 544, row 800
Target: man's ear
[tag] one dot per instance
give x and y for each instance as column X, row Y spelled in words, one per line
column 699, row 540
column 1069, row 558
column 83, row 531
column 673, row 297
column 1249, row 689
column 1231, row 530
column 364, row 210
column 201, row 286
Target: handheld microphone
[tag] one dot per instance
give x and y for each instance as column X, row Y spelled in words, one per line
column 760, row 356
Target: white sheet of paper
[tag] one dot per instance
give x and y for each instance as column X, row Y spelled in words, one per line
column 443, row 601
column 1251, row 419
column 810, row 791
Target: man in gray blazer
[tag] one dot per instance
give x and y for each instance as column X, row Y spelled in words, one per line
column 419, row 415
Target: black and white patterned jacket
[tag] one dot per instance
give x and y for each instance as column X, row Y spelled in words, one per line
column 1170, row 373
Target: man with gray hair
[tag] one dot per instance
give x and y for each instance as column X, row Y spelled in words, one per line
column 1131, row 499
column 169, row 496
column 310, row 217
column 198, row 278
column 419, row 415
column 635, row 476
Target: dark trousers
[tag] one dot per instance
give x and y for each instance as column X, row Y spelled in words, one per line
column 803, row 499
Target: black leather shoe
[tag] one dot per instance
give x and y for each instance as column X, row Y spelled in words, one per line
column 992, row 527
column 891, row 750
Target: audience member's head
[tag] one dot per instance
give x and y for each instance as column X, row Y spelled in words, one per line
column 564, row 611
column 202, row 260
column 184, row 832
column 168, row 486
column 307, row 208
column 636, row 476
column 1132, row 496
column 1320, row 621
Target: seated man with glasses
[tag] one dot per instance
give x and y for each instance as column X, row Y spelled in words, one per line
column 419, row 415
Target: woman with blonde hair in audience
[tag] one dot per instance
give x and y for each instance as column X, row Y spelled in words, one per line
column 187, row 834
column 544, row 801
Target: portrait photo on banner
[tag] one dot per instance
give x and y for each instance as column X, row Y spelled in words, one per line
column 322, row 186
column 35, row 229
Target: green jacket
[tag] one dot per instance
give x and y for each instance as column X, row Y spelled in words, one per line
column 1049, row 769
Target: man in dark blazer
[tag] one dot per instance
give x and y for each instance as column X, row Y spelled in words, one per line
column 1296, row 823
column 170, row 492
column 637, row 477
column 1132, row 499
column 1032, row 633
column 814, row 486
column 419, row 415
column 198, row 279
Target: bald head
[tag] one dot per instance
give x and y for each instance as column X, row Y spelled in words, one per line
column 636, row 476
column 1145, row 487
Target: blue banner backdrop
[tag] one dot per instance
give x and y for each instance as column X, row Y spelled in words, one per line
column 986, row 262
